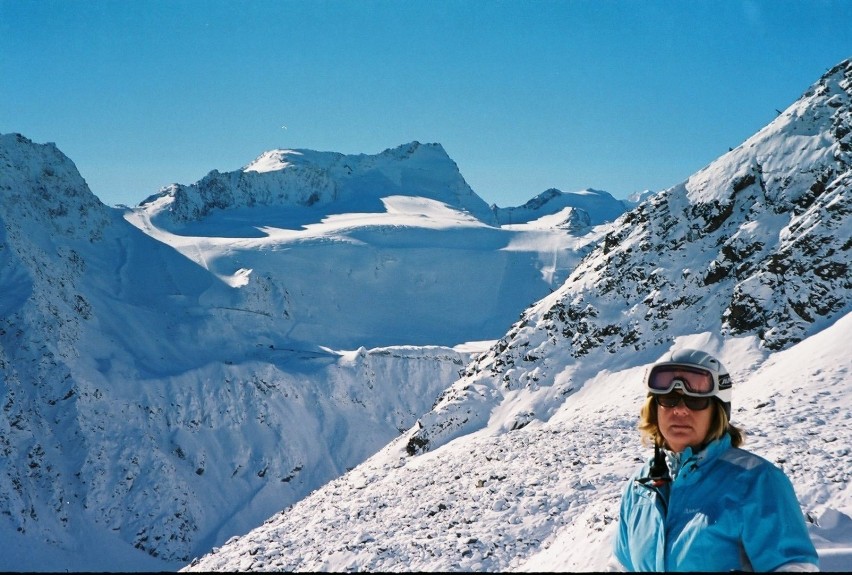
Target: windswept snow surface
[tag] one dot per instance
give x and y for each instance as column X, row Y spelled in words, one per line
column 544, row 497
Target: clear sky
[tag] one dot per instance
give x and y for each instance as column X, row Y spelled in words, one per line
column 524, row 95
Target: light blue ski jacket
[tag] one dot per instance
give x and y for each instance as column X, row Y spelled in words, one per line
column 726, row 509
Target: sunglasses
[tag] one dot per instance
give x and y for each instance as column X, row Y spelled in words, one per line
column 691, row 380
column 671, row 400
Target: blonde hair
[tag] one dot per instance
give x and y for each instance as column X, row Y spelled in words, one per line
column 650, row 429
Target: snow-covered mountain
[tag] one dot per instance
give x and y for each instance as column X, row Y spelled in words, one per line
column 584, row 206
column 520, row 463
column 174, row 373
column 293, row 229
column 327, row 181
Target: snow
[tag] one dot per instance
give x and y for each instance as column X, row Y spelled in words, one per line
column 190, row 377
column 332, row 362
column 483, row 482
column 545, row 497
column 413, row 241
column 271, row 161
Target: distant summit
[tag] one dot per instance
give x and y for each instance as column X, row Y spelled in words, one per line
column 599, row 206
column 336, row 182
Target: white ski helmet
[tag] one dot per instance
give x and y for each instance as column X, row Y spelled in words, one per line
column 696, row 360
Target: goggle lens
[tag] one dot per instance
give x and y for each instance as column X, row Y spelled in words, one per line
column 664, row 378
column 671, row 400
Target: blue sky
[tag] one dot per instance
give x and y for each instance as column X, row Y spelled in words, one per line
column 619, row 96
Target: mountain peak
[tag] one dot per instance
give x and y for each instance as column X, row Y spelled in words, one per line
column 796, row 155
column 301, row 177
column 63, row 201
column 281, row 159
column 599, row 206
column 840, row 71
column 274, row 160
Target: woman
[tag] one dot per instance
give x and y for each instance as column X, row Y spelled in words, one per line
column 702, row 503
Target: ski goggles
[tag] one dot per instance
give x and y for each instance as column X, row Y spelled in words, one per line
column 691, row 380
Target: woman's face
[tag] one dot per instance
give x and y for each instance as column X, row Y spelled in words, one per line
column 681, row 427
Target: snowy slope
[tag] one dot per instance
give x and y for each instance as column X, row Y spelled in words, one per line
column 520, row 463
column 348, row 279
column 293, row 228
column 170, row 383
column 544, row 497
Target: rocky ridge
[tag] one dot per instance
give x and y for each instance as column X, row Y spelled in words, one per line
column 757, row 243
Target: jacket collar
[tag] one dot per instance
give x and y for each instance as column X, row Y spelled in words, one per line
column 711, row 451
